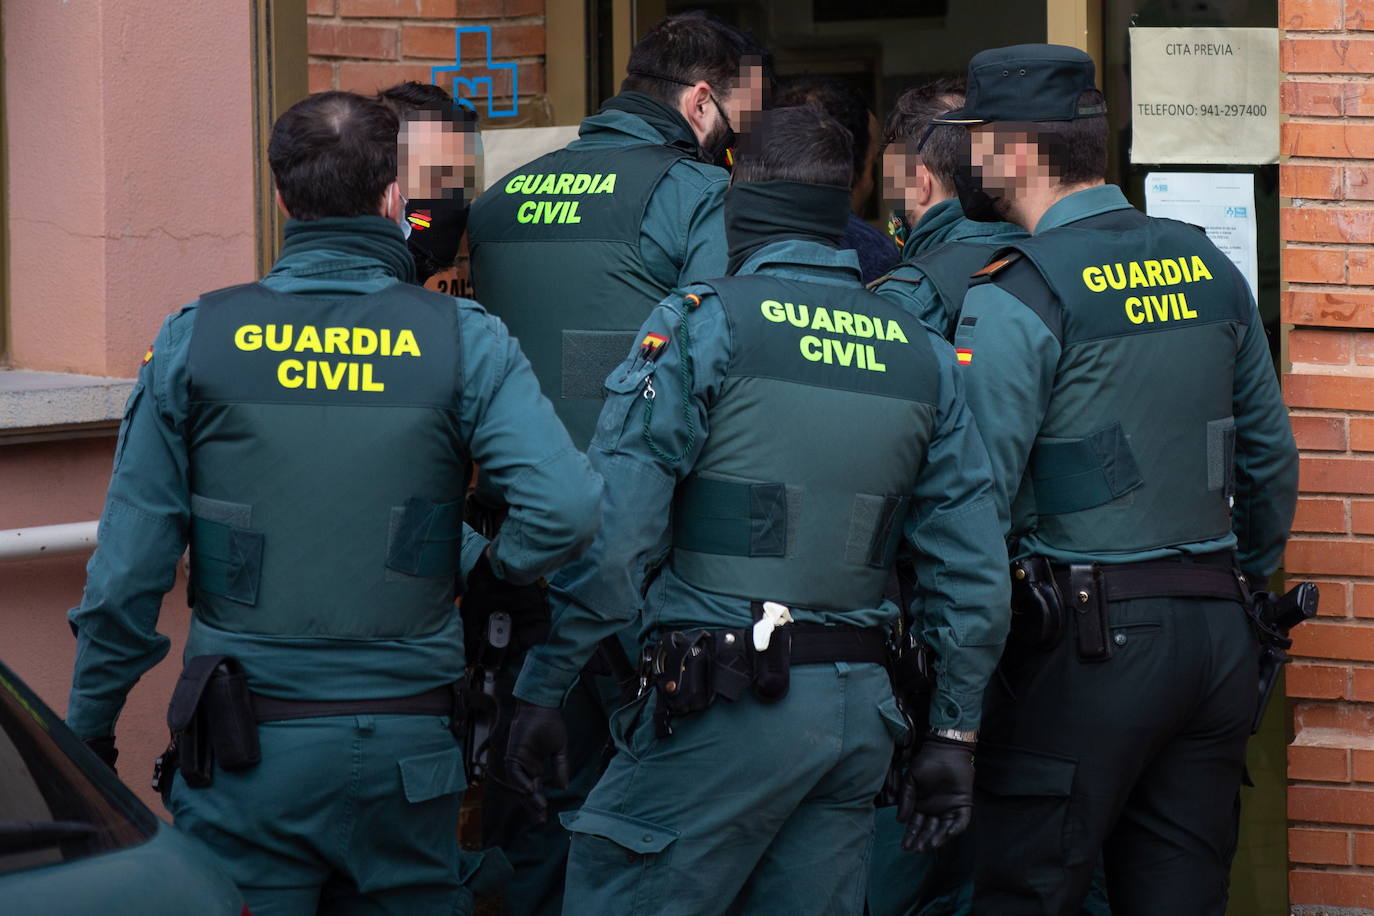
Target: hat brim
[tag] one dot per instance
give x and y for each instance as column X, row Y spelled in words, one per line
column 960, row 116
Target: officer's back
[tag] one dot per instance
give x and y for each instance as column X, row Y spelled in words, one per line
column 571, row 249
column 310, row 436
column 1120, row 374
column 770, row 440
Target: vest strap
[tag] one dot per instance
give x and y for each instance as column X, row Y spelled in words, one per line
column 731, row 518
column 226, row 560
column 425, row 538
column 739, row 519
column 1070, row 475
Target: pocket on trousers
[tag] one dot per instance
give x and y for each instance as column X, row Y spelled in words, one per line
column 430, row 776
column 896, row 723
column 1025, row 817
column 616, row 838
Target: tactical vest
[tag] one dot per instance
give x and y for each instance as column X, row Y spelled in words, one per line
column 816, row 438
column 1137, row 450
column 555, row 254
column 947, row 268
column 314, row 513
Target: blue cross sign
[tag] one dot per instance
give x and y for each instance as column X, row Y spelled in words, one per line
column 473, row 85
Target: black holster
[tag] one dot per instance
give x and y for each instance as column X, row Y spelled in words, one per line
column 1037, row 607
column 212, row 723
column 1273, row 618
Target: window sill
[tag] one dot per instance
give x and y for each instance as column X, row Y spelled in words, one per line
column 40, row 406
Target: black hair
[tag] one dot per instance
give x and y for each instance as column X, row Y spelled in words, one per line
column 409, row 97
column 683, row 49
column 945, row 146
column 838, row 99
column 333, row 154
column 800, row 143
column 1076, row 150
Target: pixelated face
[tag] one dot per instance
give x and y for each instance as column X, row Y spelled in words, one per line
column 899, row 174
column 437, row 158
column 745, row 98
column 1006, row 158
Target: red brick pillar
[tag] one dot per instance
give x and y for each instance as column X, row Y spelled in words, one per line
column 1327, row 56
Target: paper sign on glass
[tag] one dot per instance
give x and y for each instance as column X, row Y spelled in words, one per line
column 1205, row 95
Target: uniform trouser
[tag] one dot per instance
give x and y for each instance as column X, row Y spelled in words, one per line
column 539, row 852
column 1138, row 759
column 345, row 814
column 938, row 883
column 748, row 807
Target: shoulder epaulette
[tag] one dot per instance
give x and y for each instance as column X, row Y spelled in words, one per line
column 992, row 269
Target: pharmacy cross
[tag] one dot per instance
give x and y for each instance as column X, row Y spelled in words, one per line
column 471, row 87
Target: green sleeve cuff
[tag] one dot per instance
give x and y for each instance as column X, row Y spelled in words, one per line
column 91, row 718
column 473, row 545
column 962, row 712
column 543, row 684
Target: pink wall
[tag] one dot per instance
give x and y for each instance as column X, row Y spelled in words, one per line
column 131, row 172
column 130, row 162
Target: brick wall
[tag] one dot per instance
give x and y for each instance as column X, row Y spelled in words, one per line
column 366, row 45
column 1327, row 55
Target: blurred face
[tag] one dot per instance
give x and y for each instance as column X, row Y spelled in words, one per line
column 1006, row 159
column 436, row 159
column 744, row 99
column 901, row 187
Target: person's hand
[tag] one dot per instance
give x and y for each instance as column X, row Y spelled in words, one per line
column 936, row 801
column 538, row 738
column 484, row 593
column 104, row 748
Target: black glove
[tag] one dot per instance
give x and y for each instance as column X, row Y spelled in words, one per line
column 537, row 736
column 937, row 796
column 484, row 593
column 104, row 748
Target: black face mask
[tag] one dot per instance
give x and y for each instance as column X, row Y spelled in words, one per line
column 436, row 229
column 977, row 204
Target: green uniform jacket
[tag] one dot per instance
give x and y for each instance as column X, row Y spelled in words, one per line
column 597, row 279
column 510, row 428
column 908, row 286
column 1012, row 376
column 962, row 607
column 682, row 236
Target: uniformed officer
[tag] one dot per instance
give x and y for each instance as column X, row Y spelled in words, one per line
column 310, row 436
column 1122, row 382
column 572, row 251
column 437, row 162
column 845, row 103
column 753, row 413
column 941, row 248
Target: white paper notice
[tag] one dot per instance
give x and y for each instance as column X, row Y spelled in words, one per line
column 1205, row 95
column 1223, row 203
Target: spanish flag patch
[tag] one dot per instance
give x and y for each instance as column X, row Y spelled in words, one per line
column 147, row 357
column 420, row 219
column 964, row 356
column 652, row 346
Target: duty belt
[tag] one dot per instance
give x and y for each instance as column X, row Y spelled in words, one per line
column 1211, row 575
column 691, row 668
column 440, row 701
